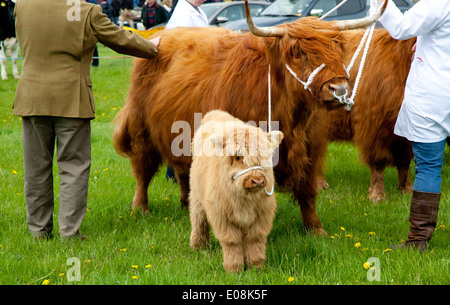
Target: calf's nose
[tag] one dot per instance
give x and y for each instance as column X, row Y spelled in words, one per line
column 256, row 182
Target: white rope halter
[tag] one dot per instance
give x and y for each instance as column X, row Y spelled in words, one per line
column 310, row 78
column 244, row 171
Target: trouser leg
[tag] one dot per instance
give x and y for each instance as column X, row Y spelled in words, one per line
column 74, row 161
column 38, row 147
column 428, row 158
column 426, row 193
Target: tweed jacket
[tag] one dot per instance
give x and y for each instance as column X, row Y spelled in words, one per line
column 57, row 40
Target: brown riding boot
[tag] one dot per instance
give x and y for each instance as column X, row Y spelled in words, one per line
column 423, row 216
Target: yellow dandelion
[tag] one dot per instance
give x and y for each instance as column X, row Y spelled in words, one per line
column 148, row 266
column 103, row 114
column 15, row 172
column 123, row 250
column 134, row 277
column 290, row 279
column 332, row 237
column 365, row 214
column 366, row 265
column 46, row 282
column 331, row 201
column 1, row 247
column 87, row 261
column 364, row 249
column 61, row 274
column 113, row 108
column 106, row 169
column 388, row 250
column 441, row 227
column 372, row 233
column 348, row 235
column 165, row 218
column 134, row 266
column 165, row 198
column 357, row 245
column 120, row 217
column 342, row 228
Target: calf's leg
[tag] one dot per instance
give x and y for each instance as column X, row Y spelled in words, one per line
column 199, row 225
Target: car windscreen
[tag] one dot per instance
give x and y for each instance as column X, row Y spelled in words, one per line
column 211, row 9
column 286, row 8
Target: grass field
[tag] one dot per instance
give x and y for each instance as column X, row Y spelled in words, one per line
column 129, row 248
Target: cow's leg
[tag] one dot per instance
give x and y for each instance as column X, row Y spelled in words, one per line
column 404, row 180
column 183, row 181
column 306, row 194
column 14, row 54
column 3, row 62
column 322, row 183
column 402, row 155
column 376, row 189
column 144, row 165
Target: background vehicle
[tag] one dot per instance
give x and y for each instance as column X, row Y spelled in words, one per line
column 219, row 13
column 283, row 11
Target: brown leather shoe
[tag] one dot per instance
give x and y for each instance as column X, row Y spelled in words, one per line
column 423, row 216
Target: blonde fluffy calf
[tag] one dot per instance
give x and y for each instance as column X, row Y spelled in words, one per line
column 232, row 183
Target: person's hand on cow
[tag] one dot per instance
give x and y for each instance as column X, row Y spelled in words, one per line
column 156, row 41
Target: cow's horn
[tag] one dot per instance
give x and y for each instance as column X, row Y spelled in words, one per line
column 362, row 22
column 262, row 32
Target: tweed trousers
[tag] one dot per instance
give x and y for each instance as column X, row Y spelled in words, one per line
column 73, row 154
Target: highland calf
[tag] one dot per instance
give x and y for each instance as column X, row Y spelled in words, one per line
column 232, row 184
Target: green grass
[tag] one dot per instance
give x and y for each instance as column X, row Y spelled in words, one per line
column 155, row 248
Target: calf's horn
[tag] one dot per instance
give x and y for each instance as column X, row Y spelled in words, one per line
column 361, row 22
column 271, row 31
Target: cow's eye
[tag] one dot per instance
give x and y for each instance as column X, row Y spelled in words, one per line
column 238, row 158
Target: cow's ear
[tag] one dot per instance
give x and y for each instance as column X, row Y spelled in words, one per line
column 275, row 137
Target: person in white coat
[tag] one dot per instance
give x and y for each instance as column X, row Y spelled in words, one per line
column 424, row 117
column 187, row 13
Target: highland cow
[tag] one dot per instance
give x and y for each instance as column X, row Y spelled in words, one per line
column 232, row 184
column 202, row 69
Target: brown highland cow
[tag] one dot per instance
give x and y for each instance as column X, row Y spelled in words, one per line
column 232, row 183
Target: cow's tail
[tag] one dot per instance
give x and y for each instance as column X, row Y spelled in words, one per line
column 121, row 135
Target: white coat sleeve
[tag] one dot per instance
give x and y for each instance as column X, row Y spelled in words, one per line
column 422, row 18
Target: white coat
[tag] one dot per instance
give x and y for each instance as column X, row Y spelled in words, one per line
column 186, row 15
column 425, row 112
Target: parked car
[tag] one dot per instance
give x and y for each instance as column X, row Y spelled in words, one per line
column 219, row 13
column 283, row 11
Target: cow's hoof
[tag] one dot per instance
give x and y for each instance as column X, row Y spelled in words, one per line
column 320, row 232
